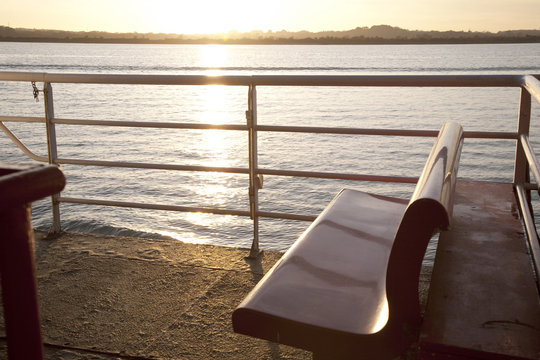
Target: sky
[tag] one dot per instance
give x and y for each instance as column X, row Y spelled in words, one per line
column 219, row 16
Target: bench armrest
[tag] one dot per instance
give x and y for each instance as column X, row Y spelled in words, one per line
column 438, row 179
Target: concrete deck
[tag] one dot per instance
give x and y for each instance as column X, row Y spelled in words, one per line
column 105, row 297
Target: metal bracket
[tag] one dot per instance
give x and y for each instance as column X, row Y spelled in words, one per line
column 249, row 118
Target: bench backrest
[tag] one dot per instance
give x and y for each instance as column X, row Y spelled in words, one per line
column 429, row 209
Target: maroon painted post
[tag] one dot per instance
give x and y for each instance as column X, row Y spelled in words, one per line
column 19, row 186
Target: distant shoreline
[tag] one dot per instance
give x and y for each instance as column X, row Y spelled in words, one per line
column 374, row 35
column 307, row 41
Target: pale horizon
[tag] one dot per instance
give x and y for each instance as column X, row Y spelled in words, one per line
column 212, row 16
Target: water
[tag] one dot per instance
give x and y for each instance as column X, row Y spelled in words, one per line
column 409, row 108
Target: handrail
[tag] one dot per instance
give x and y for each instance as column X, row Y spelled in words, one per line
column 280, row 80
column 525, row 158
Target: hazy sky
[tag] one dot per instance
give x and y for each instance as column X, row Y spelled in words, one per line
column 209, row 16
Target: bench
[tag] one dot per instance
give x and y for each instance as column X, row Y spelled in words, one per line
column 348, row 287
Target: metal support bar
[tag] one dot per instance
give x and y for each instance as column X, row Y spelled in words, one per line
column 251, row 117
column 521, row 168
column 53, row 153
column 530, row 228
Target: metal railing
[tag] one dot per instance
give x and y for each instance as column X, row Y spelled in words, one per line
column 525, row 159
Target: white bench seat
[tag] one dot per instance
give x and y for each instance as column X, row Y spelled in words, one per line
column 348, row 287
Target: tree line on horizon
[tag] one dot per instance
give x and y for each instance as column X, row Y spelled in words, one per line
column 378, row 34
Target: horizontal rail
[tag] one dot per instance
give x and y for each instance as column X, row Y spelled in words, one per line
column 148, row 124
column 287, row 216
column 206, row 210
column 153, row 166
column 346, row 131
column 137, row 205
column 231, row 170
column 25, row 119
column 391, row 80
column 124, row 79
column 268, row 128
column 384, row 132
column 278, row 80
column 491, row 135
column 340, row 176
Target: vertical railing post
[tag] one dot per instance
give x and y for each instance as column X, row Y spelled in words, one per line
column 521, row 166
column 52, row 152
column 254, row 183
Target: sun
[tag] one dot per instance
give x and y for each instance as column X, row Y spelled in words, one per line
column 205, row 16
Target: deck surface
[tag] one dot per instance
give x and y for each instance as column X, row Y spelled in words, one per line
column 483, row 299
column 107, row 297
